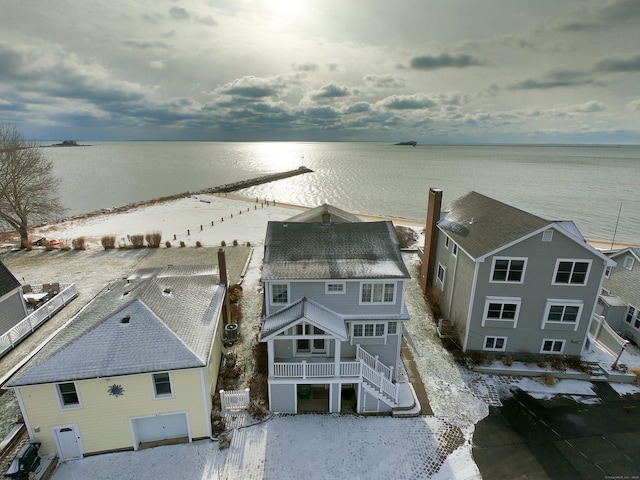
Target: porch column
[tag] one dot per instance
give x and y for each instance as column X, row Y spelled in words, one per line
column 270, row 356
column 336, row 357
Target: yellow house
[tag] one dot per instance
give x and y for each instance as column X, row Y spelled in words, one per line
column 138, row 364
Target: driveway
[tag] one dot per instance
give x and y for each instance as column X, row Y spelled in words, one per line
column 560, row 438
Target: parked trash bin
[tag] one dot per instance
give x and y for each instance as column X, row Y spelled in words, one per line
column 304, row 392
column 231, row 331
column 25, row 461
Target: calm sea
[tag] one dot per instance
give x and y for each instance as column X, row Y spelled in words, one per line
column 587, row 184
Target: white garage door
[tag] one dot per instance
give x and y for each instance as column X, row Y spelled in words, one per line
column 160, row 427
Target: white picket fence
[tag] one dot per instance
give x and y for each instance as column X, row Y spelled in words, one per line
column 234, row 399
column 11, row 338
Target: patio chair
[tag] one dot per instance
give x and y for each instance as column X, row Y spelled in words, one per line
column 55, row 289
column 27, row 289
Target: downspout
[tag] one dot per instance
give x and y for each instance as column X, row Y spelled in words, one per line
column 453, row 281
column 224, row 280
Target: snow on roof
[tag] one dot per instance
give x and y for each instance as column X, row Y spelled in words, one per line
column 332, row 250
column 158, row 319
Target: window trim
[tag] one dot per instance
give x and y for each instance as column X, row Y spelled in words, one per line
column 562, row 341
column 510, row 259
column 574, row 261
column 562, row 302
column 494, row 349
column 454, row 250
column 343, row 290
column 374, row 327
column 447, row 241
column 547, row 235
column 70, row 406
column 607, row 271
column 279, row 284
column 384, row 291
column 630, row 261
column 154, row 389
column 501, row 300
column 441, row 268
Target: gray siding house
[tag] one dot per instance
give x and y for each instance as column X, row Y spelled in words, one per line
column 12, row 306
column 510, row 281
column 619, row 302
column 334, row 310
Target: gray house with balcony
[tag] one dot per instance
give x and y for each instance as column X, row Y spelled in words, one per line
column 334, row 312
column 619, row 301
column 509, row 281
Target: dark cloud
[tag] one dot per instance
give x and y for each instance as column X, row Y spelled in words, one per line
column 252, row 87
column 179, row 13
column 383, row 81
column 555, row 79
column 430, row 62
column 330, row 91
column 407, row 102
column 631, row 64
column 609, row 14
column 306, row 67
column 360, row 107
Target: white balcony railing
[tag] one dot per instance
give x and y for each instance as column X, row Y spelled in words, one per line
column 376, row 380
column 12, row 337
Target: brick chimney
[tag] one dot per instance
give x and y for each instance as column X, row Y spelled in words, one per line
column 430, row 239
column 224, row 280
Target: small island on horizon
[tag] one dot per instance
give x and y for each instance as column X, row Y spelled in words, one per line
column 412, row 143
column 68, row 143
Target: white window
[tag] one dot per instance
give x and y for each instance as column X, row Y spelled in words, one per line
column 547, row 236
column 392, row 328
column 442, row 273
column 446, row 242
column 502, row 309
column 280, row 293
column 552, row 346
column 628, row 262
column 607, row 272
column 571, row 272
column 377, row 292
column 508, row 270
column 162, row 385
column 334, row 287
column 68, row 395
column 310, row 345
column 566, row 312
column 454, row 251
column 368, row 329
column 496, row 344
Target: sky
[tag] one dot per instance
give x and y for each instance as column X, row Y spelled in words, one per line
column 433, row 71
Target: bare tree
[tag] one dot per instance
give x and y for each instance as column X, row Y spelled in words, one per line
column 28, row 187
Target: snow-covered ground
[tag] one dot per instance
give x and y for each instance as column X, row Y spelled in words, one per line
column 313, row 446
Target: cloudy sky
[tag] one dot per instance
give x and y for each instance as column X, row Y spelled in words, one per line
column 455, row 71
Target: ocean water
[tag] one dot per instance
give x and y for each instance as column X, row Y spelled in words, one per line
column 590, row 185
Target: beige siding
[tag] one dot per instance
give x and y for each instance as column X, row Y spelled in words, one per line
column 103, row 419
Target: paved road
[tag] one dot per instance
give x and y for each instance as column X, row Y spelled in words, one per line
column 560, row 438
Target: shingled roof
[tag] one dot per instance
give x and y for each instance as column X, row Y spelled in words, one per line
column 304, row 309
column 157, row 319
column 481, row 225
column 332, row 251
column 8, row 282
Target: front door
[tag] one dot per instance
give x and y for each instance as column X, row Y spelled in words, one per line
column 67, row 439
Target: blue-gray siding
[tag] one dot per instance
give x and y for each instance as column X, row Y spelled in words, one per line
column 282, row 398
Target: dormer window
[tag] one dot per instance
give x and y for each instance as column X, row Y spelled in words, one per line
column 166, row 292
